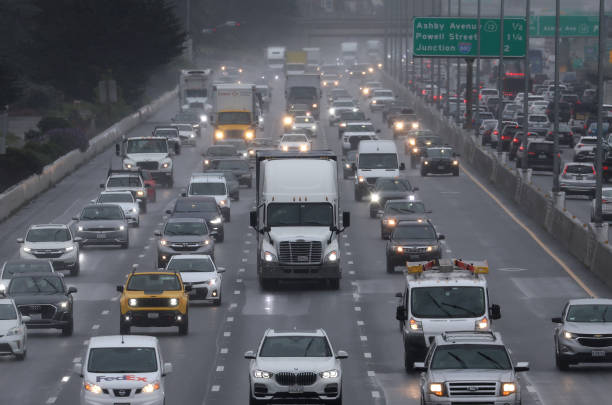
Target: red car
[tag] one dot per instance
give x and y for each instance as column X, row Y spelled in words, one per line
column 150, row 181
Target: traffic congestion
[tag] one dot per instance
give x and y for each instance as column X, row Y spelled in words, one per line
column 295, row 233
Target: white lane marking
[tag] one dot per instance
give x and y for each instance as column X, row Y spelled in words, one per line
column 511, row 269
column 220, row 368
column 246, row 251
column 353, row 283
column 227, row 334
column 160, row 223
column 367, row 355
column 233, row 305
column 357, row 309
column 95, row 327
column 85, row 342
column 531, row 388
column 448, row 251
column 76, row 360
column 348, row 253
column 350, row 262
column 141, row 255
column 230, row 319
column 363, row 338
column 115, row 298
column 239, row 280
column 65, row 378
column 215, row 388
column 375, row 394
column 351, row 272
column 360, row 323
column 236, row 292
column 247, row 242
column 345, row 236
column 224, row 350
column 244, row 260
column 371, row 373
column 241, row 270
column 151, row 238
column 51, row 400
column 347, row 244
column 147, row 247
column 105, row 312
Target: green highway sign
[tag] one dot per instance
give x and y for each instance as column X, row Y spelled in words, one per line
column 569, row 26
column 457, row 37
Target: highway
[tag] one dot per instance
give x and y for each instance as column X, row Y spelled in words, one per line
column 529, row 284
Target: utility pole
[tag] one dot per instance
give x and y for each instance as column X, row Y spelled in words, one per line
column 600, row 91
column 500, row 76
column 447, row 101
column 477, row 126
column 555, row 188
column 458, row 102
column 386, row 37
column 526, row 90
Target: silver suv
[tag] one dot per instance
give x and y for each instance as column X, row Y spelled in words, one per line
column 295, row 365
column 469, row 367
column 52, row 242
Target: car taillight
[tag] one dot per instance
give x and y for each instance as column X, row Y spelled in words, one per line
column 515, row 140
column 522, row 148
column 495, row 132
column 423, row 92
column 605, row 168
column 531, row 153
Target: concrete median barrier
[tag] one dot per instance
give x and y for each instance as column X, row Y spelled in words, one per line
column 16, row 196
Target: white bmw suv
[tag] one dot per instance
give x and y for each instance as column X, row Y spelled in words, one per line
column 295, row 365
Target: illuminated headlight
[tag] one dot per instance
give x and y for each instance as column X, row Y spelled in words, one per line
column 436, row 389
column 329, row 374
column 482, row 324
column 140, row 193
column 149, row 388
column 206, row 242
column 287, row 120
column 222, row 67
column 63, row 304
column 324, row 84
column 245, row 154
column 165, row 165
column 399, row 249
column 343, row 124
column 216, row 221
column 163, row 242
column 399, row 125
column 374, row 197
column 293, row 127
column 93, row 388
column 366, row 91
column 269, row 257
column 336, row 83
column 127, row 166
column 313, row 127
column 332, row 111
column 212, row 281
column 415, row 150
column 508, row 389
column 390, row 222
column 252, row 152
column 239, row 70
column 347, row 165
column 415, row 325
column 315, row 105
column 121, row 227
column 360, row 179
column 249, row 134
column 262, row 374
column 412, row 141
column 568, row 335
column 275, row 77
column 355, row 109
column 411, row 197
column 222, row 202
column 426, row 163
column 192, row 135
column 285, row 148
column 206, row 161
column 380, row 65
column 173, row 302
column 332, row 256
column 303, row 147
column 203, row 118
column 69, row 249
column 415, row 125
column 455, row 162
column 132, row 302
column 219, row 134
column 373, row 101
column 80, row 228
column 370, row 69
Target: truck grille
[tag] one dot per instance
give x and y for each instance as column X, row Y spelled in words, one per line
column 153, row 302
column 234, row 134
column 185, row 247
column 122, row 393
column 47, row 253
column 371, row 180
column 471, row 389
column 46, row 311
column 148, row 165
column 307, row 378
column 595, row 342
column 415, row 249
column 300, row 252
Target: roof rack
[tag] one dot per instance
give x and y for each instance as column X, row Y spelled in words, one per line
column 136, row 170
column 469, row 334
column 448, row 266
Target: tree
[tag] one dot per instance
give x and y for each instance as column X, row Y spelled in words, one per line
column 75, row 43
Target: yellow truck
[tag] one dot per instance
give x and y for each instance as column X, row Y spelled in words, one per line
column 295, row 62
column 235, row 112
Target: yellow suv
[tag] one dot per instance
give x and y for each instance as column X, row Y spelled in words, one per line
column 154, row 299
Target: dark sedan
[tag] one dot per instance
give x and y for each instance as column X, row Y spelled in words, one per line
column 400, row 210
column 200, row 207
column 413, row 241
column 439, row 161
column 389, row 189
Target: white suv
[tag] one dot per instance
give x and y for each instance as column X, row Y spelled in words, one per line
column 13, row 332
column 54, row 243
column 127, row 202
column 199, row 272
column 123, row 370
column 295, row 365
column 211, row 185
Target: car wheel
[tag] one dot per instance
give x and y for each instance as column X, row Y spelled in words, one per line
column 456, row 172
column 217, row 302
column 373, row 213
column 21, row 356
column 184, row 327
column 124, row 329
column 357, row 195
column 423, row 173
column 250, row 184
column 267, row 284
column 76, row 269
column 68, row 329
column 170, row 182
column 137, row 223
column 220, row 237
column 390, row 266
column 518, row 163
column 562, row 365
column 408, row 361
column 143, row 208
column 228, row 217
column 125, row 245
column 334, row 283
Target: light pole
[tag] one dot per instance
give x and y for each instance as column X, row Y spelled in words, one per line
column 599, row 150
column 526, row 89
column 556, row 162
column 458, row 60
column 500, row 75
column 477, row 126
column 447, row 100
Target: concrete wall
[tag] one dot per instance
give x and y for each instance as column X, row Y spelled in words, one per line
column 16, row 196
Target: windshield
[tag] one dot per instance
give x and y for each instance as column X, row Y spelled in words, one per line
column 237, row 144
column 378, row 161
column 124, row 181
column 116, row 198
column 301, row 93
column 154, row 282
column 289, row 214
column 234, row 117
column 482, row 357
column 405, row 207
column 588, row 141
column 579, row 169
column 352, row 115
column 36, row 285
column 195, row 206
column 295, row 346
column 340, row 93
column 383, row 93
column 109, row 212
column 48, row 235
column 343, row 104
column 230, row 164
column 359, row 128
column 184, row 127
column 167, row 133
column 393, row 185
column 195, row 92
column 294, row 138
column 606, row 193
column 589, row 313
column 185, row 228
column 448, row 302
column 207, row 189
column 7, row 312
column 440, row 153
column 424, row 231
column 303, row 120
column 147, row 146
column 191, row 265
column 538, row 118
column 122, row 360
column 221, row 151
column 12, row 268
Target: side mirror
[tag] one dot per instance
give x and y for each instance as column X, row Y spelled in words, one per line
column 250, row 355
column 19, row 240
column 25, row 318
column 557, row 320
column 120, row 288
column 188, row 288
column 521, row 366
column 441, row 237
column 147, row 185
column 168, row 369
column 117, row 149
column 495, row 311
column 183, row 194
column 400, row 313
column 419, row 366
column 157, row 233
column 353, row 166
column 78, row 239
column 428, row 211
column 402, row 166
column 220, row 271
column 415, row 189
column 399, row 295
column 377, row 131
column 346, row 219
column 77, row 368
column 75, row 218
column 169, row 212
column 102, row 186
column 72, row 290
column 177, row 149
column 253, row 219
column 341, row 355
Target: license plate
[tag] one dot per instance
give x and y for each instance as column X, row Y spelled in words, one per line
column 542, row 156
column 153, row 315
column 441, row 167
column 414, row 257
column 579, row 177
column 302, row 258
column 101, row 236
column 598, row 353
column 296, row 389
column 121, row 403
column 35, row 316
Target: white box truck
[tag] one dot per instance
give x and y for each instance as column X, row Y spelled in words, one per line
column 348, row 53
column 234, row 112
column 193, row 88
column 275, row 58
column 304, row 88
column 297, row 217
column 313, row 58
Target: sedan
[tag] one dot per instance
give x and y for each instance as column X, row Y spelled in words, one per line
column 126, row 201
column 302, row 123
column 13, row 331
column 183, row 236
column 585, row 149
column 389, row 189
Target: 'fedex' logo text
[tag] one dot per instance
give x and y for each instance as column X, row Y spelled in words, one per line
column 129, row 377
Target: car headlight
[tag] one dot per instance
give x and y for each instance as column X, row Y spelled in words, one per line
column 415, row 325
column 285, row 148
column 399, row 125
column 303, row 147
column 27, row 249
column 332, row 111
column 436, row 389
column 127, row 166
column 455, row 162
column 249, row 134
column 269, row 256
column 508, row 389
column 390, row 222
column 140, row 193
column 329, row 374
column 430, row 248
column 568, row 335
column 262, row 374
column 374, row 198
column 332, row 256
column 366, row 91
column 222, row 203
column 415, row 125
column 360, row 179
column 212, row 281
column 313, row 127
column 149, row 388
column 415, row 150
column 133, row 302
column 192, row 135
column 343, row 124
column 165, row 165
column 412, row 141
column 203, row 118
column 216, row 220
column 315, row 105
column 206, row 242
column 219, row 134
column 482, row 324
column 163, row 242
column 121, row 227
column 245, row 154
column 252, row 152
column 206, row 162
column 373, row 101
column 426, row 163
column 63, row 304
column 93, row 388
column 80, row 228
column 13, row 331
column 287, row 120
column 174, row 302
column 347, row 165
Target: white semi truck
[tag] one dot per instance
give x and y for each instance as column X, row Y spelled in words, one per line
column 193, row 88
column 297, row 217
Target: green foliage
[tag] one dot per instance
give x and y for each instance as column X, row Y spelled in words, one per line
column 49, row 123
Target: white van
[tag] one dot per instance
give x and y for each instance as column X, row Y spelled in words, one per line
column 123, row 369
column 375, row 159
column 211, row 185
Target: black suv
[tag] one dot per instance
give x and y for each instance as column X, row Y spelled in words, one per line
column 413, row 241
column 540, row 155
column 389, row 189
column 442, row 160
column 45, row 299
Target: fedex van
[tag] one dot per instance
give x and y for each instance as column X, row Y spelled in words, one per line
column 375, row 159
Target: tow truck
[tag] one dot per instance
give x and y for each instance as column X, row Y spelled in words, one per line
column 442, row 295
